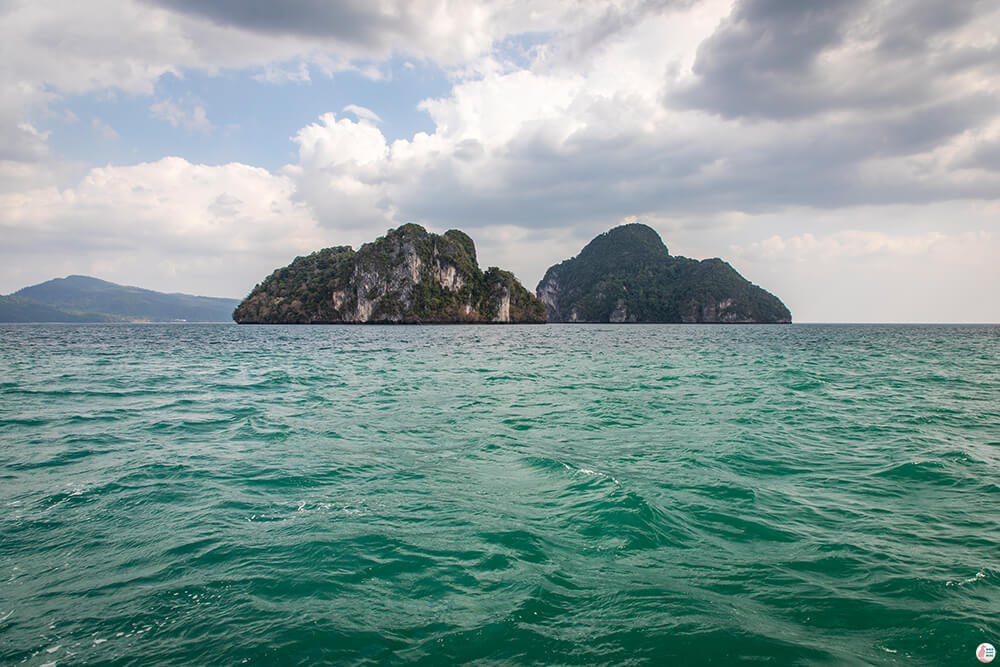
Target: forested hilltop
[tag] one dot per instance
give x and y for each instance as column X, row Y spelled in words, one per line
column 407, row 276
column 628, row 275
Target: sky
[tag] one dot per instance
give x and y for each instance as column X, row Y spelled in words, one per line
column 842, row 154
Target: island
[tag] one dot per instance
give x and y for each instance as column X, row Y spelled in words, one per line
column 628, row 275
column 408, row 276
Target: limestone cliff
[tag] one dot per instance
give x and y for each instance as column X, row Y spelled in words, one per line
column 627, row 275
column 407, row 276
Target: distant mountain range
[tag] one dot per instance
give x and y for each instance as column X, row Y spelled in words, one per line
column 86, row 299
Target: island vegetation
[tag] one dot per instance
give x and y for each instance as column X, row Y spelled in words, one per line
column 407, row 276
column 628, row 275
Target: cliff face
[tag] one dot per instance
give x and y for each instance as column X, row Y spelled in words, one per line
column 627, row 275
column 407, row 276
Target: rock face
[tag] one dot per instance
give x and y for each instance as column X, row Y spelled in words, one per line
column 408, row 276
column 627, row 275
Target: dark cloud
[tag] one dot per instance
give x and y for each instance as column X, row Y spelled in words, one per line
column 782, row 60
column 985, row 155
column 378, row 25
column 925, row 128
column 596, row 177
column 907, row 27
column 761, row 58
column 358, row 22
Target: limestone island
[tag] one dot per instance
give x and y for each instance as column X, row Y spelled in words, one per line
column 408, row 276
column 627, row 275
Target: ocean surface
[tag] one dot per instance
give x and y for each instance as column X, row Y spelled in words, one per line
column 222, row 494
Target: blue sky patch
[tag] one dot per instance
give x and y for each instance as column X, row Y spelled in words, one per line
column 246, row 119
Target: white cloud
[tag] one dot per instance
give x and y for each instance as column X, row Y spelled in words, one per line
column 280, row 75
column 29, row 129
column 168, row 225
column 362, row 113
column 934, row 263
column 192, row 119
column 67, row 47
column 103, row 130
column 848, row 243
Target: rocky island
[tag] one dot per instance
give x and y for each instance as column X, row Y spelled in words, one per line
column 627, row 275
column 408, row 276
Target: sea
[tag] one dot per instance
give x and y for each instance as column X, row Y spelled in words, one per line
column 185, row 494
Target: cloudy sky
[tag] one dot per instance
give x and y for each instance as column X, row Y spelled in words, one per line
column 844, row 154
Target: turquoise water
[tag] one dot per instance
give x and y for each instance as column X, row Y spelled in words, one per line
column 215, row 494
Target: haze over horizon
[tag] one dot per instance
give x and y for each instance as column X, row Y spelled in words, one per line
column 843, row 155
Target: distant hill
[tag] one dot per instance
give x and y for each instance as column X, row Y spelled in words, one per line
column 15, row 309
column 627, row 275
column 86, row 299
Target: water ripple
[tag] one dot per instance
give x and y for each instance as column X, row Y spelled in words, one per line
column 505, row 495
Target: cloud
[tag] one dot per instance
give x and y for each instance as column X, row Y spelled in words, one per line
column 446, row 32
column 103, row 130
column 362, row 113
column 24, row 143
column 341, row 173
column 592, row 32
column 774, row 59
column 364, row 24
column 168, row 224
column 580, row 131
column 280, row 75
column 873, row 276
column 848, row 243
column 192, row 119
column 25, row 155
column 555, row 145
column 58, row 49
